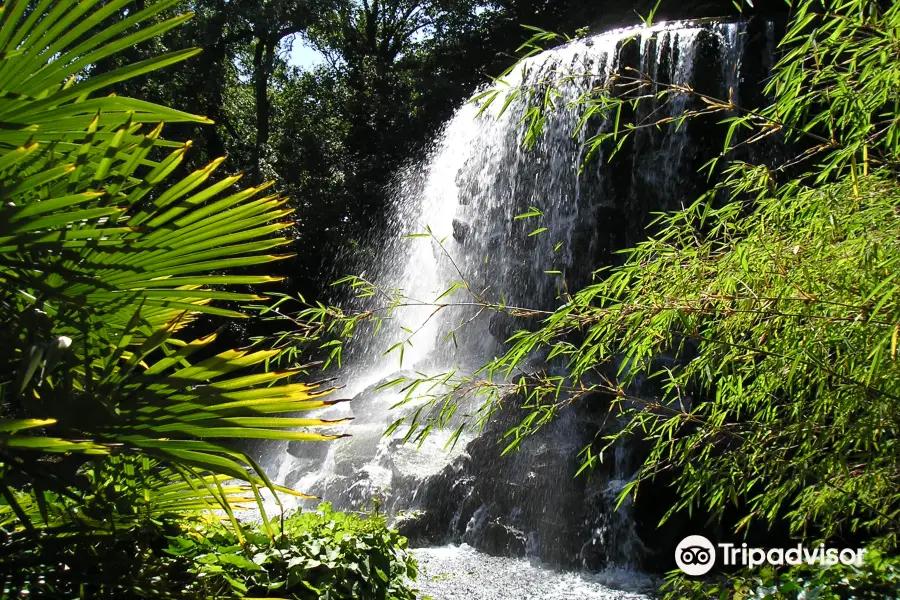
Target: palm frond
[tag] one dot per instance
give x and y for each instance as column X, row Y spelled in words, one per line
column 105, row 255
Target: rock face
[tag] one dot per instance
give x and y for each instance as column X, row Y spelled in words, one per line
column 529, row 502
column 526, row 503
column 506, row 505
column 369, row 466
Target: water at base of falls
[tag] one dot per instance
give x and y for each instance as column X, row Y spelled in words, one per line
column 468, row 191
column 461, row 573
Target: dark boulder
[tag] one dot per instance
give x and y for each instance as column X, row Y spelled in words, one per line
column 461, row 231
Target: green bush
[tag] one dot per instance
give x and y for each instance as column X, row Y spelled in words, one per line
column 323, row 554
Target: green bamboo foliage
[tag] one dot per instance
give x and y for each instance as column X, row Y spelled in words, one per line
column 762, row 321
column 105, row 255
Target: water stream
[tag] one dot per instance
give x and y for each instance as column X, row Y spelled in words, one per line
column 467, row 192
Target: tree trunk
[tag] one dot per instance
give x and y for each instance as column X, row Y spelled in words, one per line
column 263, row 62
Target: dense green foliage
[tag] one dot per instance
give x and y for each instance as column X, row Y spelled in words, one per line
column 332, row 133
column 753, row 340
column 317, row 554
column 765, row 316
column 321, row 554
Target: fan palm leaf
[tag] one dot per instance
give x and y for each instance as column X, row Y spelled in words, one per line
column 106, row 254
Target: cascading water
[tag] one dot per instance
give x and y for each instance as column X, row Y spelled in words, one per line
column 467, row 193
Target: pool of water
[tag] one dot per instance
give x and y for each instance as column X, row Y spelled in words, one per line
column 462, row 573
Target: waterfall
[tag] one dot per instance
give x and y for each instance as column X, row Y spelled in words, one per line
column 465, row 196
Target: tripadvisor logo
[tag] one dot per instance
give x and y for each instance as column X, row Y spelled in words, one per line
column 696, row 555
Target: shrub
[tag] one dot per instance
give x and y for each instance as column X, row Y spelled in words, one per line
column 322, row 554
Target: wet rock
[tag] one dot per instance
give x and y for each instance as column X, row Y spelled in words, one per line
column 420, row 528
column 375, row 401
column 502, row 326
column 503, row 540
column 351, row 454
column 593, row 556
column 461, row 231
column 312, row 451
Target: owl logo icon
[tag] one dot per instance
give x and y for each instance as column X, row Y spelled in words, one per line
column 695, row 555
